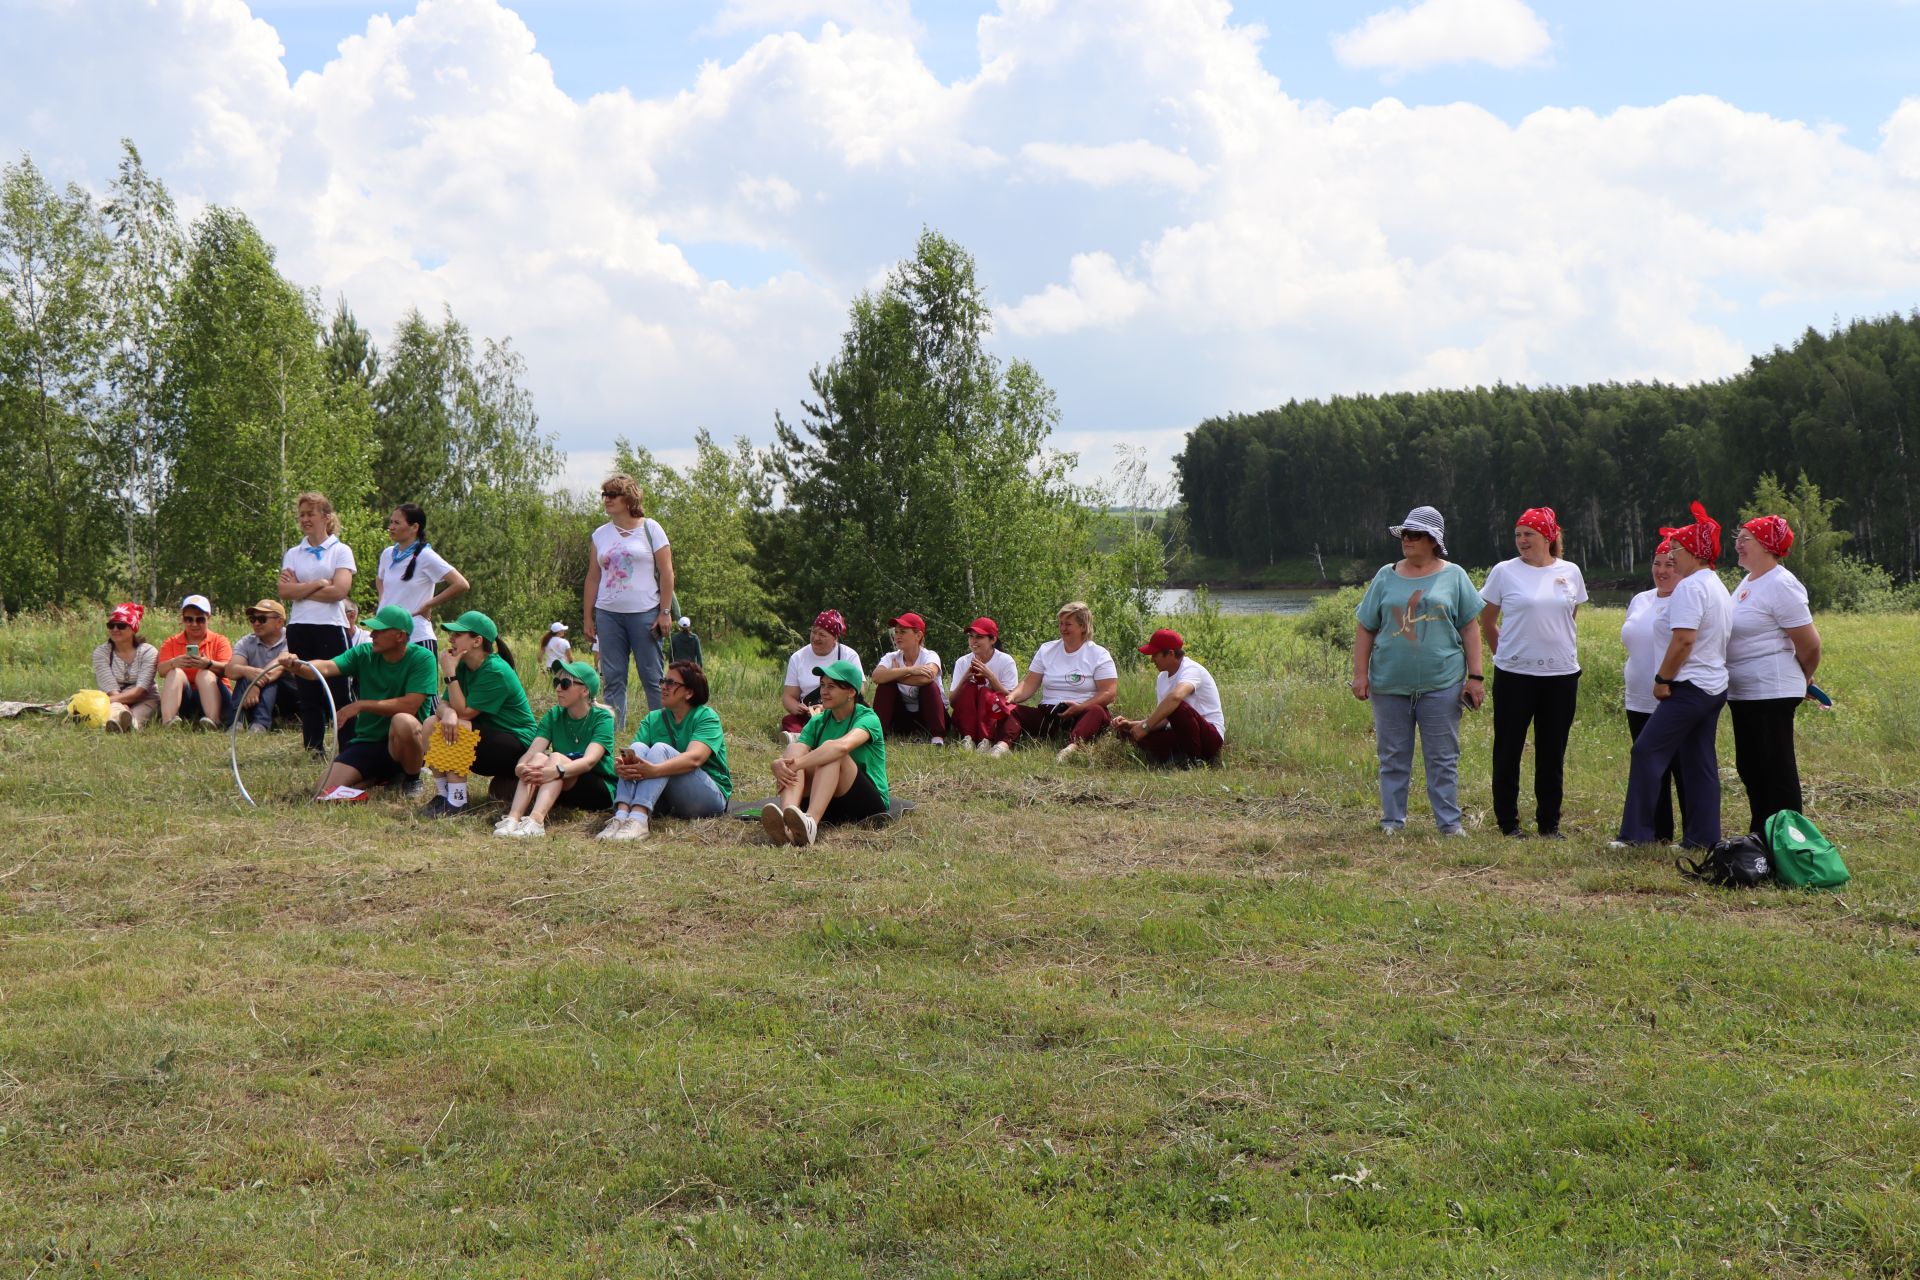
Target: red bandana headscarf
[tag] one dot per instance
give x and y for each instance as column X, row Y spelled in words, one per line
column 1541, row 520
column 129, row 613
column 1702, row 537
column 1773, row 533
column 830, row 620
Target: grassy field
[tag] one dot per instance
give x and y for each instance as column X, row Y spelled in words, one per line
column 1072, row 1020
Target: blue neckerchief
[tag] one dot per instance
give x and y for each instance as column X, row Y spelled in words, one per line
column 320, row 550
column 400, row 553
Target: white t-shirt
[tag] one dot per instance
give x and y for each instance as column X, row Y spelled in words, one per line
column 629, row 578
column 800, row 666
column 557, row 649
column 1536, row 616
column 910, row 693
column 1205, row 698
column 1701, row 602
column 1069, row 677
column 318, row 564
column 1646, row 635
column 360, row 635
column 427, row 574
column 1760, row 661
column 1001, row 664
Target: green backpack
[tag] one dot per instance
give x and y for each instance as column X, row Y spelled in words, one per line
column 1802, row 857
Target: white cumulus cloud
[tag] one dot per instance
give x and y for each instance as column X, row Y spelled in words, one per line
column 1501, row 33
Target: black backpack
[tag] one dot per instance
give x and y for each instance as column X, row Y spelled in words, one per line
column 1739, row 863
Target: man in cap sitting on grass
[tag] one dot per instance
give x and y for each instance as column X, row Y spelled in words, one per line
column 1186, row 725
column 395, row 681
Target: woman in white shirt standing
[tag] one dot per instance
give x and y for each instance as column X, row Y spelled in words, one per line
column 1527, row 626
column 316, row 576
column 410, row 569
column 558, row 650
column 1690, row 684
column 1645, row 635
column 1772, row 654
column 1077, row 681
column 628, row 593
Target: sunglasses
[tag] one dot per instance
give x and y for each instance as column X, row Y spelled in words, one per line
column 191, row 618
column 118, row 626
column 257, row 618
column 563, row 684
column 673, row 684
column 607, row 495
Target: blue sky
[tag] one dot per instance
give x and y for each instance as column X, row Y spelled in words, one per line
column 1178, row 207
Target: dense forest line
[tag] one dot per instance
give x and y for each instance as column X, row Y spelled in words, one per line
column 1615, row 461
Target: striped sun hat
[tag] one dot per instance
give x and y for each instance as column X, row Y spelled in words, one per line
column 1424, row 520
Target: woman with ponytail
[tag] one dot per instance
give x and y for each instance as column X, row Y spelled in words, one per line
column 483, row 692
column 410, row 569
column 1690, row 687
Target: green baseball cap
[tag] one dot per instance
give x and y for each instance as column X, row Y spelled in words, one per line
column 475, row 621
column 842, row 671
column 583, row 672
column 391, row 617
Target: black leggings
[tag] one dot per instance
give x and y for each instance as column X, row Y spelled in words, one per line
column 1547, row 702
column 1670, row 787
column 315, row 641
column 1763, row 756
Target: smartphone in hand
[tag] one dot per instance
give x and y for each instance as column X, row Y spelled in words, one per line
column 193, row 651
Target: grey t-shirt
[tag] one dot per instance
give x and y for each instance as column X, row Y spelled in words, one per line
column 254, row 652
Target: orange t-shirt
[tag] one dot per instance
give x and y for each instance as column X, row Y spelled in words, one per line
column 215, row 646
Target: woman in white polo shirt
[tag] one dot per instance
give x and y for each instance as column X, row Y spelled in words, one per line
column 316, row 577
column 1527, row 625
column 1690, row 683
column 1772, row 654
column 411, row 572
column 1077, row 681
column 1645, row 636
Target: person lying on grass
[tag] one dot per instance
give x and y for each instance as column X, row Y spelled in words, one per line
column 395, row 680
column 677, row 765
column 1186, row 725
column 570, row 761
column 839, row 765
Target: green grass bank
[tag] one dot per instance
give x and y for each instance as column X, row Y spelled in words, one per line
column 1079, row 1020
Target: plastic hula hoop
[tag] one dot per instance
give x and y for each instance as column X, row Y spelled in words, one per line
column 233, row 732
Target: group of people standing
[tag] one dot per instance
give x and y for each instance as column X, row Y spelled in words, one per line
column 1424, row 634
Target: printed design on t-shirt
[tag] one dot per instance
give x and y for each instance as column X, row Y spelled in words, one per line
column 1407, row 620
column 1745, row 592
column 1075, row 677
column 616, row 569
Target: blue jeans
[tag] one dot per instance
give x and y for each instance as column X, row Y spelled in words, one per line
column 1679, row 735
column 260, row 716
column 679, row 795
column 1436, row 717
column 624, row 635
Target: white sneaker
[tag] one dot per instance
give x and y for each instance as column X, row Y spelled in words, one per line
column 938, row 742
column 966, row 743
column 208, row 722
column 1067, row 753
column 611, row 831
column 801, row 828
column 634, row 828
column 528, row 827
column 1000, row 749
column 507, row 826
column 788, row 737
column 772, row 822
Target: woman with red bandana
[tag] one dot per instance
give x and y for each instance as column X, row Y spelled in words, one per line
column 800, row 695
column 1527, row 626
column 1690, row 684
column 1772, row 653
column 124, row 669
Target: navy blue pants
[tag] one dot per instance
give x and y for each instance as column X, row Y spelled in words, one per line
column 1679, row 736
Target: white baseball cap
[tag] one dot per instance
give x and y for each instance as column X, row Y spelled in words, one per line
column 197, row 602
column 558, row 628
column 686, row 622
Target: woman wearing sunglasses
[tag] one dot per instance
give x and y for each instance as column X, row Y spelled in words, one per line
column 123, row 669
column 677, row 765
column 570, row 762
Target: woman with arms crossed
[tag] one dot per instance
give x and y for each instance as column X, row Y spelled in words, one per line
column 316, row 575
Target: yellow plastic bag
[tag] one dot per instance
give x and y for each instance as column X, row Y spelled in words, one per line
column 90, row 705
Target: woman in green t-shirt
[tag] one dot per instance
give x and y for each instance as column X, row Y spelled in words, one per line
column 570, row 763
column 484, row 693
column 1416, row 660
column 677, row 765
column 839, row 764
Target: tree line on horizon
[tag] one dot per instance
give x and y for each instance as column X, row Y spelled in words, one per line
column 1615, row 460
column 165, row 393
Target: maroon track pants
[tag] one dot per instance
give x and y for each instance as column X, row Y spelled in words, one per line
column 1046, row 722
column 896, row 718
column 1185, row 733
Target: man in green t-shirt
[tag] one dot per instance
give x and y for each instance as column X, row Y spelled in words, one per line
column 839, row 764
column 677, row 765
column 395, row 681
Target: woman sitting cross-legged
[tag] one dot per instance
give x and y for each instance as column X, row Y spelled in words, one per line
column 677, row 765
column 839, row 765
column 570, row 761
column 123, row 669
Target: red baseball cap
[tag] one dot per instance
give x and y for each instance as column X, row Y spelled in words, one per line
column 912, row 621
column 984, row 627
column 1163, row 641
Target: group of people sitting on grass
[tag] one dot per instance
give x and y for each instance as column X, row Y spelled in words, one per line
column 406, row 704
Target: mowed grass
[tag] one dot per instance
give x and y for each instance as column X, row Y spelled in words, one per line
column 1077, row 1020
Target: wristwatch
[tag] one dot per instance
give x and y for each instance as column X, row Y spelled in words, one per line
column 1660, row 679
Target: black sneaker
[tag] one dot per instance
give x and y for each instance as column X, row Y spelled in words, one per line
column 1515, row 833
column 1551, row 833
column 434, row 808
